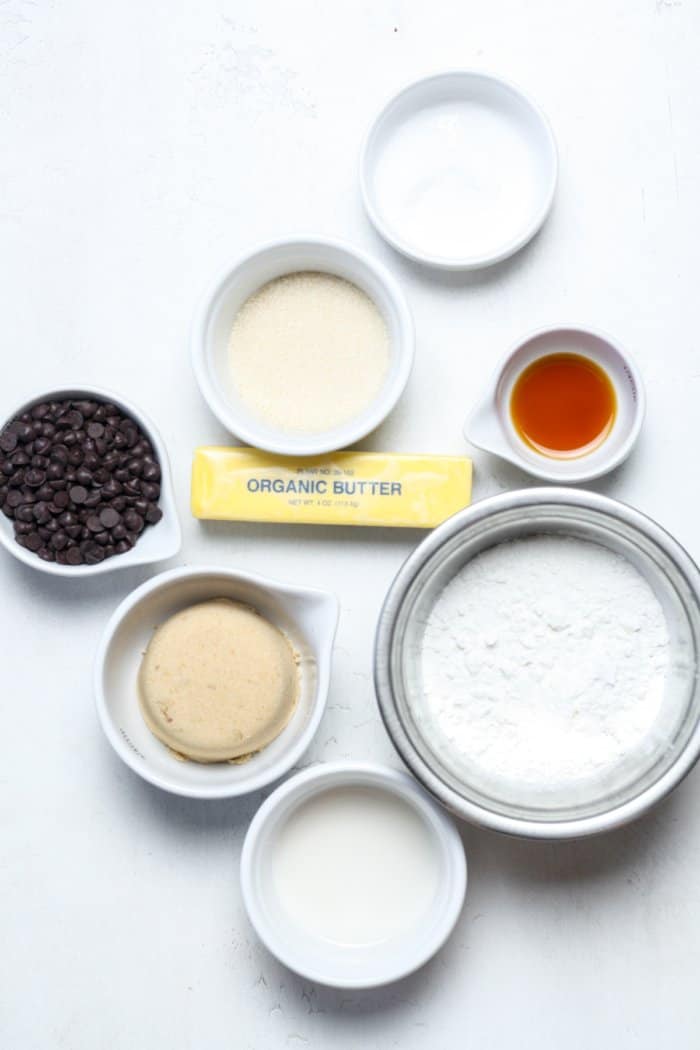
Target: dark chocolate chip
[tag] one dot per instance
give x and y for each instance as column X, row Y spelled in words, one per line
column 8, row 441
column 78, row 493
column 151, row 471
column 92, row 553
column 111, row 460
column 86, row 407
column 151, row 491
column 59, row 453
column 153, row 514
column 59, row 540
column 23, row 430
column 133, row 521
column 110, row 517
column 41, row 512
column 35, row 478
column 41, row 446
column 111, row 488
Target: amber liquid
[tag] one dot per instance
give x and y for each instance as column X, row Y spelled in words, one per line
column 563, row 405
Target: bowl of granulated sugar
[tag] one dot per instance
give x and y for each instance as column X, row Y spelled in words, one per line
column 536, row 663
column 303, row 346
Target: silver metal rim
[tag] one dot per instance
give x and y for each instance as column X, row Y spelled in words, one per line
column 461, row 807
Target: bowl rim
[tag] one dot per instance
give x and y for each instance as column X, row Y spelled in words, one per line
column 465, row 262
column 131, row 558
column 345, row 772
column 538, row 469
column 312, row 445
column 293, row 752
column 475, row 813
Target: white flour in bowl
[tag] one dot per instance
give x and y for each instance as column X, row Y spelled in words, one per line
column 543, row 662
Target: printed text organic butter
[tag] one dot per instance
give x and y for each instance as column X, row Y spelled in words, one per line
column 343, row 488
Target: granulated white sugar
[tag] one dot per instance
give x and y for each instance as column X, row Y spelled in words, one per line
column 543, row 662
column 308, row 352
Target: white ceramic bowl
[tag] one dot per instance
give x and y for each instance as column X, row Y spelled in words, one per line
column 215, row 316
column 490, row 427
column 459, row 170
column 156, row 543
column 308, row 618
column 340, row 965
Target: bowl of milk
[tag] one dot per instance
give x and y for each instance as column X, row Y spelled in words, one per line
column 351, row 875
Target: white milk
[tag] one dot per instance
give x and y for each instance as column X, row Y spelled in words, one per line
column 355, row 866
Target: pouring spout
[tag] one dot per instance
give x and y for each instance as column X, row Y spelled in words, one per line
column 483, row 427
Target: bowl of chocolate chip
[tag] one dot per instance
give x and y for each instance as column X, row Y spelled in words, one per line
column 85, row 485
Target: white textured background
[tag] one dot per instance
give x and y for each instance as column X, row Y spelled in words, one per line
column 144, row 144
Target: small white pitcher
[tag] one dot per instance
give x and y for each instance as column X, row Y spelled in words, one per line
column 490, row 425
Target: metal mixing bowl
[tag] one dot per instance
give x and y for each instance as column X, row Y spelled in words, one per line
column 673, row 576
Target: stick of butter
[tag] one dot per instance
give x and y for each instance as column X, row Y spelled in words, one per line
column 342, row 488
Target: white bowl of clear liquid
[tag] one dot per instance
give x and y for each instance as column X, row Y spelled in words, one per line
column 459, row 169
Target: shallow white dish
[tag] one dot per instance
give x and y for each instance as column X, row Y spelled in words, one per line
column 214, row 319
column 329, row 963
column 156, row 543
column 459, row 170
column 308, row 618
column 490, row 426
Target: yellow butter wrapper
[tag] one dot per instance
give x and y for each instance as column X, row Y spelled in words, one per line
column 342, row 488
